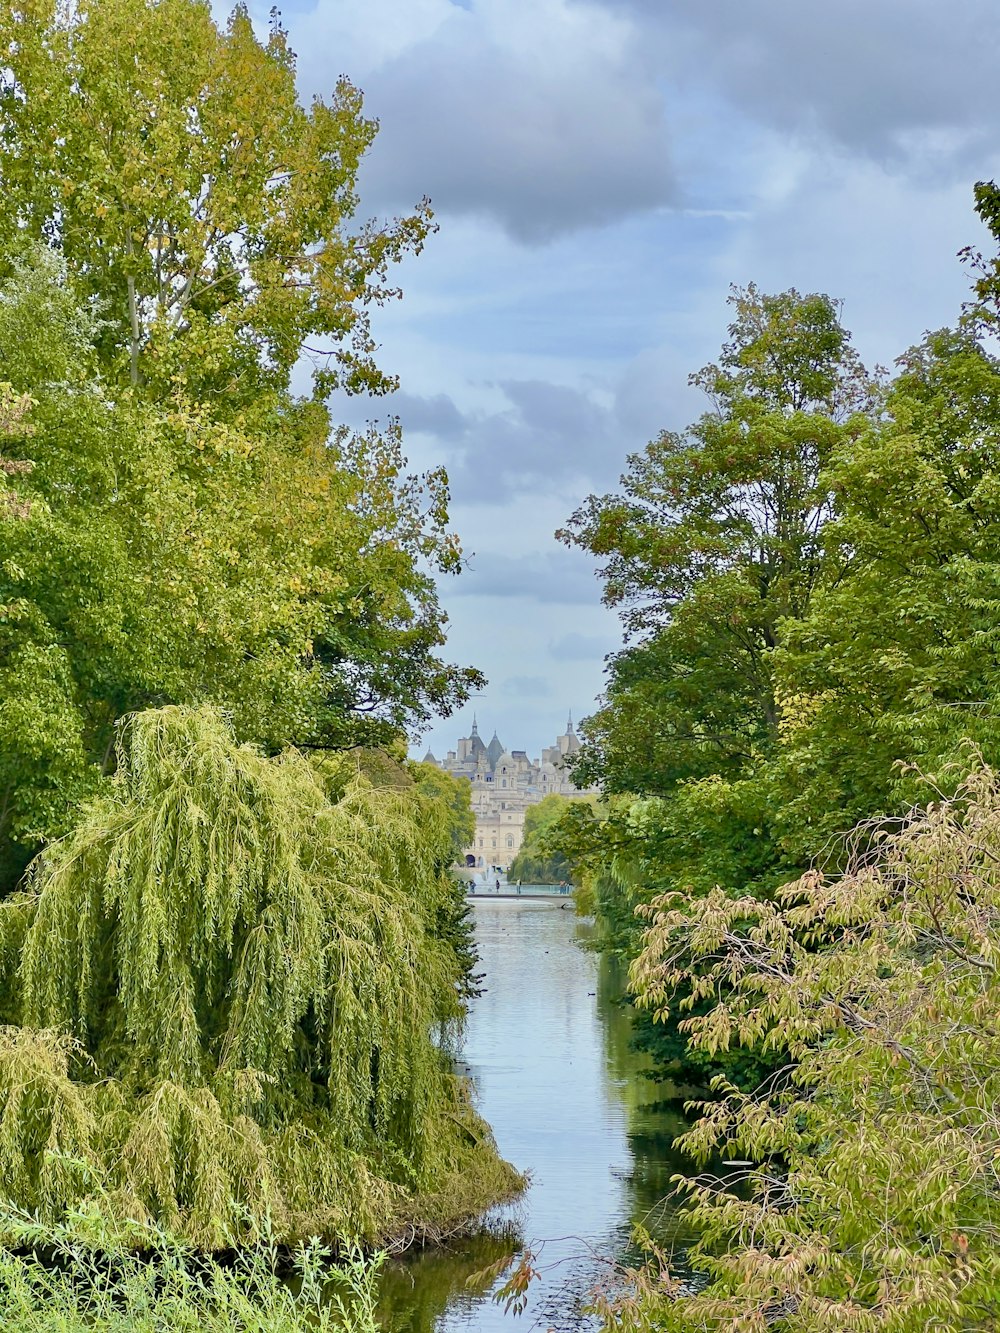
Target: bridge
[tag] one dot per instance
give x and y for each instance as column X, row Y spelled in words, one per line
column 489, row 890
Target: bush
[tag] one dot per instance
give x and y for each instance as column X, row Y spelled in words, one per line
column 873, row 1205
column 76, row 1278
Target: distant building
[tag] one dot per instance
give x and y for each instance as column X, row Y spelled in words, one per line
column 504, row 783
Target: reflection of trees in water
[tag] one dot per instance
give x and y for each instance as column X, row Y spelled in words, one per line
column 416, row 1290
column 654, row 1118
column 425, row 1291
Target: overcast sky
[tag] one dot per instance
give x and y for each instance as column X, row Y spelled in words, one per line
column 602, row 171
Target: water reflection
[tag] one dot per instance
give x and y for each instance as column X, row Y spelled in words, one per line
column 547, row 1048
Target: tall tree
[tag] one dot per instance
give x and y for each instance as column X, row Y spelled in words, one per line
column 897, row 661
column 160, row 554
column 201, row 207
column 715, row 544
column 177, row 230
column 715, row 539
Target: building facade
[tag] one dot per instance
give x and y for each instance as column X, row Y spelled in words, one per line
column 504, row 783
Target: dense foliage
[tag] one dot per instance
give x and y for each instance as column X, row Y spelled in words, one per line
column 176, row 526
column 199, row 206
column 227, row 971
column 809, row 581
column 874, row 1204
column 811, row 585
column 541, row 860
column 219, row 993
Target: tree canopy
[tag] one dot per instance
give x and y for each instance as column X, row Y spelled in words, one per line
column 219, row 991
column 177, row 526
column 808, row 585
column 541, row 859
column 201, row 208
column 869, row 1199
column 799, row 744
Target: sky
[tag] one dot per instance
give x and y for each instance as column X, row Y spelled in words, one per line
column 602, row 171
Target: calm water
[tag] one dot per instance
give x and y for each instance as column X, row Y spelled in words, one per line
column 547, row 1049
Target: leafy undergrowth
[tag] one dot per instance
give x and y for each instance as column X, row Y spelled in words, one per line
column 78, row 1278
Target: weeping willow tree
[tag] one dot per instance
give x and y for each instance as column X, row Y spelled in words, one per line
column 219, row 996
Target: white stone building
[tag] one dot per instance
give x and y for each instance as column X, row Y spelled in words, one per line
column 504, row 783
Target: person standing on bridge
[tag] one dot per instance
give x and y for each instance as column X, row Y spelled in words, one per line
column 498, row 886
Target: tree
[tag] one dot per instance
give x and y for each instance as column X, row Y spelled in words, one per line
column 219, row 991
column 716, row 543
column 540, row 859
column 169, row 556
column 716, row 538
column 871, row 1204
column 196, row 203
column 896, row 662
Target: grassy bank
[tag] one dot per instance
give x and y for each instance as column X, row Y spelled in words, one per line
column 78, row 1278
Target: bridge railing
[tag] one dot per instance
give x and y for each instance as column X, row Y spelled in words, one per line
column 478, row 889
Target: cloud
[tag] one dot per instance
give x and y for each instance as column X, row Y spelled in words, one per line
column 536, row 114
column 909, row 81
column 544, row 431
column 580, row 647
column 436, row 415
column 526, row 687
column 555, row 576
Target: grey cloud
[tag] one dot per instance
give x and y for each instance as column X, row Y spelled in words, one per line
column 543, row 147
column 579, row 647
column 557, row 576
column 526, row 687
column 904, row 80
column 432, row 416
column 547, row 432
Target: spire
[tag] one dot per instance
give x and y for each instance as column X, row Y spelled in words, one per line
column 494, row 750
column 569, row 725
column 476, row 746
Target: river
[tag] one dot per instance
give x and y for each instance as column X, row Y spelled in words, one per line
column 547, row 1047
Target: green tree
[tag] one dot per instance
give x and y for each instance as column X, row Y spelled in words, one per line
column 195, row 201
column 715, row 539
column 160, row 554
column 540, row 859
column 219, row 991
column 872, row 1204
column 896, row 662
column 715, row 544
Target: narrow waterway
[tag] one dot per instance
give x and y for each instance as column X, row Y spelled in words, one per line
column 547, row 1046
